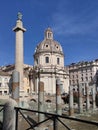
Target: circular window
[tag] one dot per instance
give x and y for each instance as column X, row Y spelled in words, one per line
column 46, row 45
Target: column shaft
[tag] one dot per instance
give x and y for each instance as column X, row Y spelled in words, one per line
column 71, row 109
column 80, row 99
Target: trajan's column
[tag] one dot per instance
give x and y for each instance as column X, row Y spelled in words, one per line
column 19, row 30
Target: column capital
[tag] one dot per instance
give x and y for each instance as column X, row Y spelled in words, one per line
column 19, row 24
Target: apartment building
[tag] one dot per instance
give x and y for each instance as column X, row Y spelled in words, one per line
column 4, row 83
column 84, row 72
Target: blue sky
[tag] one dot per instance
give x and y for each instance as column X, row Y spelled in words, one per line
column 74, row 24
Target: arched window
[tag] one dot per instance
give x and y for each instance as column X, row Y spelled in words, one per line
column 47, row 59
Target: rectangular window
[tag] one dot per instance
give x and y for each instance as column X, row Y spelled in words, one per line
column 58, row 61
column 73, row 81
column 70, row 81
column 0, row 92
column 81, row 78
column 36, row 61
column 27, row 90
column 77, row 81
column 47, row 59
column 91, row 78
column 82, row 84
column 86, row 78
column 5, row 92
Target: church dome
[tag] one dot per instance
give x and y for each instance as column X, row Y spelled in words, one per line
column 49, row 44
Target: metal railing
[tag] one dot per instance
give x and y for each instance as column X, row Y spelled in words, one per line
column 49, row 117
column 1, row 110
column 1, row 107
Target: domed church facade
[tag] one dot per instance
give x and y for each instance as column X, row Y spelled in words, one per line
column 49, row 65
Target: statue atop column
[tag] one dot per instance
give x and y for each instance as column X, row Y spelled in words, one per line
column 19, row 16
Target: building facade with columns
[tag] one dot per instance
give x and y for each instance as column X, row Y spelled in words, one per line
column 84, row 73
column 4, row 83
column 48, row 62
column 49, row 65
column 6, row 73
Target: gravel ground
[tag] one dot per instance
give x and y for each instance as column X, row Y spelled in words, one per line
column 73, row 125
column 91, row 116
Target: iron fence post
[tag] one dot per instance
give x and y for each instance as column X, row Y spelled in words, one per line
column 16, row 125
column 55, row 123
